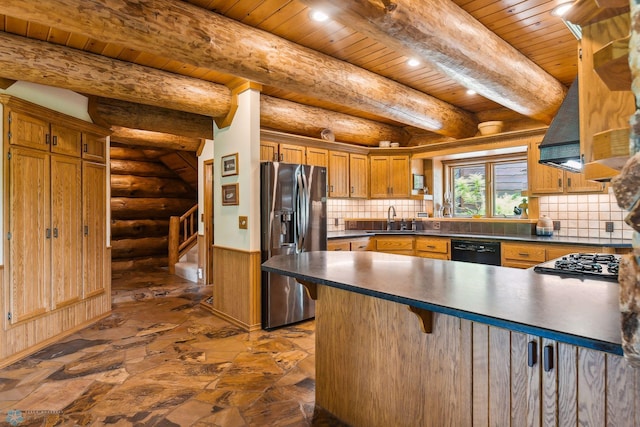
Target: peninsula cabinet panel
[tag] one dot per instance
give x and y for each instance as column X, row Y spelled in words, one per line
column 66, row 230
column 94, row 230
column 29, row 249
column 358, row 176
column 338, row 174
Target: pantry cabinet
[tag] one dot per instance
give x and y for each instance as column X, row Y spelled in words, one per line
column 390, row 177
column 56, row 264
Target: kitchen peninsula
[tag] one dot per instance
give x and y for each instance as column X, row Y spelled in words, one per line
column 409, row 341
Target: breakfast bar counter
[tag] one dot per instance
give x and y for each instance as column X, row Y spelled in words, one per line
column 403, row 340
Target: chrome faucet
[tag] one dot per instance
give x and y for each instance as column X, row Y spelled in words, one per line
column 389, row 218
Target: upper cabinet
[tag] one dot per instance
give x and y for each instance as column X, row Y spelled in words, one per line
column 549, row 180
column 390, row 177
column 338, row 174
column 287, row 153
column 317, row 156
column 33, row 132
column 606, row 100
column 358, row 176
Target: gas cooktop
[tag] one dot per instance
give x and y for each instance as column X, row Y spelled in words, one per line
column 594, row 266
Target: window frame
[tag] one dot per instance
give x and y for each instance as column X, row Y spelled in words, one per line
column 488, row 162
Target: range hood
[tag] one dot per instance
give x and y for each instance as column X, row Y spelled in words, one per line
column 560, row 146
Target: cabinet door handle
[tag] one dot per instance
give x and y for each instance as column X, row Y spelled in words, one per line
column 548, row 358
column 47, row 139
column 532, row 353
column 48, row 233
column 352, row 190
column 55, row 140
column 523, row 253
column 281, row 157
column 569, row 182
column 86, row 230
column 559, row 182
column 337, row 249
column 431, row 246
column 55, row 232
column 86, row 148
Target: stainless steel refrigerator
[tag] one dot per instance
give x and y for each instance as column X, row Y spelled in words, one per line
column 293, row 220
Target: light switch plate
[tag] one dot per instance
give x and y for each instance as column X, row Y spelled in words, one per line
column 243, row 222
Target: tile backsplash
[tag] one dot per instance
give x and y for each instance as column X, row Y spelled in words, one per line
column 586, row 215
column 580, row 215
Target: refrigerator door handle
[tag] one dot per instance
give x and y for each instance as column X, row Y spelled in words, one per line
column 302, row 206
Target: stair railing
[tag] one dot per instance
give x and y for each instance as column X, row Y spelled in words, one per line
column 183, row 235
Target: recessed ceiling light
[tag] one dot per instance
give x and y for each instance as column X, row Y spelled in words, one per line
column 471, row 92
column 319, row 16
column 413, row 62
column 561, row 9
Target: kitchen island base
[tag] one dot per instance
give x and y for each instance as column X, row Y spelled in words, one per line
column 375, row 367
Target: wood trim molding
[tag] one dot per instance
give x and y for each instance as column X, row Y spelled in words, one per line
column 237, row 86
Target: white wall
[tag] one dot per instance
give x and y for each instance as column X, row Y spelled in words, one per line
column 61, row 100
column 242, row 137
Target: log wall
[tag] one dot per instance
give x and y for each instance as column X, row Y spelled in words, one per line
column 144, row 194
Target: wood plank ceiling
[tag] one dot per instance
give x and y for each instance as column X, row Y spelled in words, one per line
column 527, row 25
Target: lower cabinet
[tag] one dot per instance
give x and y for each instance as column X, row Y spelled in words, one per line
column 520, row 379
column 433, row 247
column 526, row 255
column 401, row 245
column 357, row 244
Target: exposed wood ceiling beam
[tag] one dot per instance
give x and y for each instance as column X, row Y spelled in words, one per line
column 201, row 38
column 6, row 83
column 49, row 64
column 109, row 112
column 301, row 119
column 118, row 97
column 145, row 138
column 448, row 39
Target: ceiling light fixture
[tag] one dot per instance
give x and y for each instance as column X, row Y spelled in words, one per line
column 561, row 9
column 413, row 62
column 471, row 92
column 319, row 16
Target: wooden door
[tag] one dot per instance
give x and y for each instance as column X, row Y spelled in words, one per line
column 208, row 220
column 292, row 154
column 358, row 176
column 268, row 151
column 577, row 183
column 28, row 131
column 65, row 140
column 317, row 156
column 399, row 176
column 379, row 166
column 29, row 244
column 94, row 198
column 543, row 179
column 66, row 226
column 338, row 174
column 94, row 147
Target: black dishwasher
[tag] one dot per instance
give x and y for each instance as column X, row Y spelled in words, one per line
column 475, row 251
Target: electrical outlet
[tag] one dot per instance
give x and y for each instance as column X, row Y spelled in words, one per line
column 608, row 226
column 436, row 225
column 335, row 222
column 556, row 225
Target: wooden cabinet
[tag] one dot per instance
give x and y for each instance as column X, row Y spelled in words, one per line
column 401, row 245
column 433, row 247
column 358, row 176
column 269, row 151
column 338, row 174
column 549, row 180
column 389, row 177
column 348, row 244
column 521, row 379
column 287, row 153
column 317, row 156
column 56, row 260
column 525, row 255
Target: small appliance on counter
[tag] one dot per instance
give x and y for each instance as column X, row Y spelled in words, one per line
column 544, row 227
column 592, row 266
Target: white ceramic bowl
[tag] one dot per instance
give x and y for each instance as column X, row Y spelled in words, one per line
column 490, row 128
column 384, row 144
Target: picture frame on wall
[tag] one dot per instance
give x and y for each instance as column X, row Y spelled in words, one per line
column 230, row 194
column 229, row 165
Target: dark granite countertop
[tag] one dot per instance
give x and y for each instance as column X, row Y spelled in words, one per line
column 560, row 240
column 575, row 311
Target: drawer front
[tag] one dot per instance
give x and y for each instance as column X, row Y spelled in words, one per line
column 338, row 245
column 432, row 255
column 394, row 244
column 360, row 245
column 432, row 245
column 526, row 253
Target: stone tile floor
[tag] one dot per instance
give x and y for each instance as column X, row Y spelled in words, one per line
column 162, row 359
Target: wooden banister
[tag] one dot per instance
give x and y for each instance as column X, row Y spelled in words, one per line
column 183, row 235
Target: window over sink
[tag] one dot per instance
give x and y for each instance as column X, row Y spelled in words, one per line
column 486, row 187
